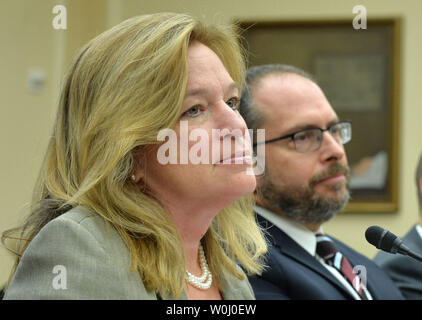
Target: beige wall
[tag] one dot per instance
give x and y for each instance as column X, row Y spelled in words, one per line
column 29, row 41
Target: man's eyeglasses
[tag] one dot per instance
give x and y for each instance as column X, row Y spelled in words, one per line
column 308, row 140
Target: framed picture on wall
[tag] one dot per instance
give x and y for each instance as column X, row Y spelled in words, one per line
column 358, row 70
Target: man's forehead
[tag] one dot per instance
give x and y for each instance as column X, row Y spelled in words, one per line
column 294, row 102
column 288, row 88
column 300, row 125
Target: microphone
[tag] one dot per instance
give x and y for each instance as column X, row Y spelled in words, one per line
column 389, row 242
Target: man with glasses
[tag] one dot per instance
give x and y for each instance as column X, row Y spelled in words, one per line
column 303, row 186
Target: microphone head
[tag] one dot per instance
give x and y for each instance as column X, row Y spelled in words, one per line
column 381, row 238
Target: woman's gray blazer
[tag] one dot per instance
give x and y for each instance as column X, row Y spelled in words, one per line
column 79, row 256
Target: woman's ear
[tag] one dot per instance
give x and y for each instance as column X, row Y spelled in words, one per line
column 139, row 165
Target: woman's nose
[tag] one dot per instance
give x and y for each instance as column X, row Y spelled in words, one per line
column 229, row 118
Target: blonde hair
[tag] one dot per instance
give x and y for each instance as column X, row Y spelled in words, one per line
column 123, row 88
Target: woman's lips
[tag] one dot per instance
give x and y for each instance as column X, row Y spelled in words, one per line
column 240, row 159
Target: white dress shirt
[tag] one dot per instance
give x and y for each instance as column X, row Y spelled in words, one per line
column 307, row 240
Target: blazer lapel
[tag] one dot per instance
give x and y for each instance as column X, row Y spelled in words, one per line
column 291, row 248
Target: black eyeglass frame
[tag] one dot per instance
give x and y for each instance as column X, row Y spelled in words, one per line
column 294, row 133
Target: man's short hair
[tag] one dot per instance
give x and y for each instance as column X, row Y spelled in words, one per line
column 254, row 118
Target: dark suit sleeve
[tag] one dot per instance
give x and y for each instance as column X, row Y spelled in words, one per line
column 271, row 284
column 266, row 290
column 404, row 271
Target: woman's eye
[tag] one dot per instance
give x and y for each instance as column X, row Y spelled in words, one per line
column 233, row 103
column 192, row 112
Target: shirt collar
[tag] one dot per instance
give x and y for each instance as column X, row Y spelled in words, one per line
column 298, row 232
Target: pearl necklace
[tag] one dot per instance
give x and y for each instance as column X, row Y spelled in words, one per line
column 204, row 281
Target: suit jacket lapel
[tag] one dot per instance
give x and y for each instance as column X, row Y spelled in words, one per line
column 291, row 248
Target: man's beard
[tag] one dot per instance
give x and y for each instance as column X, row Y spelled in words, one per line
column 304, row 204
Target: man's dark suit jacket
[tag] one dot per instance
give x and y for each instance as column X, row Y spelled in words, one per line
column 294, row 274
column 405, row 271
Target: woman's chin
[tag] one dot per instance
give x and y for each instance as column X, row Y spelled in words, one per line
column 241, row 186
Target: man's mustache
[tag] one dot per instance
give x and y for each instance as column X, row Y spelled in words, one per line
column 331, row 171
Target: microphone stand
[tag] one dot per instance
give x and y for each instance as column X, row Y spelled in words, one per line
column 414, row 256
column 405, row 250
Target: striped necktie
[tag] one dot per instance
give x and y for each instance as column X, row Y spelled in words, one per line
column 327, row 250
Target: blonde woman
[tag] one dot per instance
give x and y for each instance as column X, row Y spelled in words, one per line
column 109, row 220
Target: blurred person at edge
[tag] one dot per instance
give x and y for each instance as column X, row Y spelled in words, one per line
column 304, row 185
column 123, row 225
column 405, row 271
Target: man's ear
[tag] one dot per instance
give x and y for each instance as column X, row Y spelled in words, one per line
column 257, row 192
column 259, row 181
